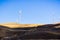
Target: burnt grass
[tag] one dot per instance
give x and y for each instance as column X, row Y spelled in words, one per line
column 48, row 31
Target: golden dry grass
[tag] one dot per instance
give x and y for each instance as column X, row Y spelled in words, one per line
column 16, row 25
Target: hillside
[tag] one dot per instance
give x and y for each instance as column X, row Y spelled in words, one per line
column 16, row 31
column 16, row 25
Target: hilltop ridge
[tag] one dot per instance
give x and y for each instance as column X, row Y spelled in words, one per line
column 17, row 25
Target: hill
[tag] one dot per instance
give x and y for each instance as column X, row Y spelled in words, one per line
column 16, row 25
column 29, row 31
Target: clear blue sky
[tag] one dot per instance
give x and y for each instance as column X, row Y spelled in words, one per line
column 33, row 11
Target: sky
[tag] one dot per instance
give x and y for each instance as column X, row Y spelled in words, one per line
column 30, row 11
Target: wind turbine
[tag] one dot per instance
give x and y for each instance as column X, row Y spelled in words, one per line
column 19, row 16
column 53, row 17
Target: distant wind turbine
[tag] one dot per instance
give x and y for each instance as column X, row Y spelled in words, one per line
column 19, row 16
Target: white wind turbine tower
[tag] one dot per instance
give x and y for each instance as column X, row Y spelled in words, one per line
column 19, row 16
column 53, row 17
